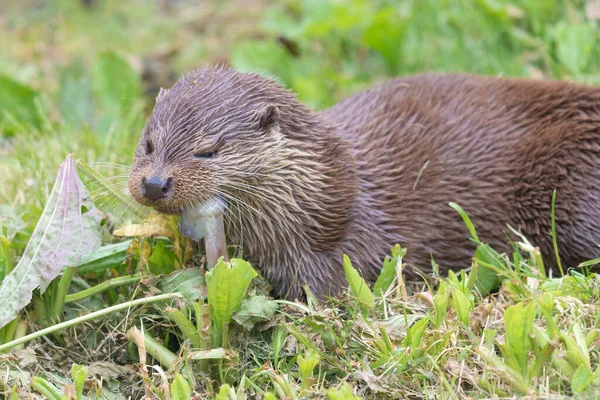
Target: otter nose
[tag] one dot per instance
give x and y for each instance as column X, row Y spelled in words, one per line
column 156, row 188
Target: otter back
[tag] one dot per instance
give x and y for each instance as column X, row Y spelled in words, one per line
column 497, row 147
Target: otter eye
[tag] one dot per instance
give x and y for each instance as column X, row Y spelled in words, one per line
column 208, row 154
column 149, row 147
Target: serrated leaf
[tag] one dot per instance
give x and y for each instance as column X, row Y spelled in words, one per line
column 67, row 229
column 358, row 286
column 227, row 284
column 255, row 309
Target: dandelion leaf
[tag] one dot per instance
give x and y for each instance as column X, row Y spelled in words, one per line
column 67, row 229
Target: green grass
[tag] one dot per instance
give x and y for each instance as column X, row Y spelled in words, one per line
column 78, row 79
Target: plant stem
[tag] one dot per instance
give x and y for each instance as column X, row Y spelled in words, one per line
column 554, row 239
column 61, row 292
column 163, row 355
column 8, row 332
column 120, row 281
column 185, row 326
column 88, row 317
column 225, row 335
column 511, row 376
column 203, row 324
column 20, row 332
column 45, row 388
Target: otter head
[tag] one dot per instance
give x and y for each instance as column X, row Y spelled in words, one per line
column 209, row 135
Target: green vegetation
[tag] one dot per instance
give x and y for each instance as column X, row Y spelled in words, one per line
column 136, row 317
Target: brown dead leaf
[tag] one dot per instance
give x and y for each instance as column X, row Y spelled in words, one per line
column 461, row 371
column 154, row 225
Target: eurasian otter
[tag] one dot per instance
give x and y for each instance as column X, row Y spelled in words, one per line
column 303, row 187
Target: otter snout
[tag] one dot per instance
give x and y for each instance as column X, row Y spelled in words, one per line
column 156, row 188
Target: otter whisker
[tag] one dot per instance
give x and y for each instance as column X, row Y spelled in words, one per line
column 118, row 187
column 111, row 165
column 246, row 205
column 271, row 197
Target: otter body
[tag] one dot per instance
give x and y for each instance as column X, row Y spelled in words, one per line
column 379, row 168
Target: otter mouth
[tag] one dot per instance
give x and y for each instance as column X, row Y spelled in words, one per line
column 169, row 211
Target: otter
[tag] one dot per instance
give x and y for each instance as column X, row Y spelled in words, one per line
column 303, row 187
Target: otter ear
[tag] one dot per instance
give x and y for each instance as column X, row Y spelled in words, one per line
column 268, row 117
column 162, row 92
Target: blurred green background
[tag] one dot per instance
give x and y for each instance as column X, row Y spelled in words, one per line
column 81, row 75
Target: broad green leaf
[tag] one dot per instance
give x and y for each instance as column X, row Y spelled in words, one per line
column 388, row 271
column 180, row 388
column 162, row 260
column 255, row 309
column 227, row 284
column 17, row 102
column 103, row 258
column 67, row 229
column 487, row 278
column 518, row 321
column 358, row 286
column 188, row 281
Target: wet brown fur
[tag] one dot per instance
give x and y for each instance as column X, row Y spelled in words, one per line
column 380, row 168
